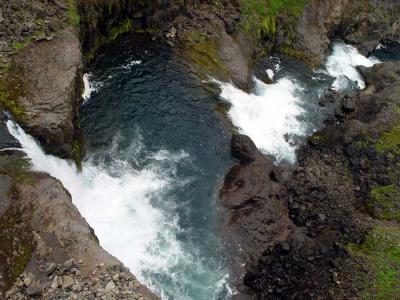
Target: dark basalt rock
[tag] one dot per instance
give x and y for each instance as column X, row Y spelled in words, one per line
column 254, row 192
column 323, row 203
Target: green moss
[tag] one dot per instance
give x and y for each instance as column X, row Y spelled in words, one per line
column 7, row 102
column 18, row 45
column 385, row 203
column 77, row 153
column 16, row 244
column 16, row 168
column 316, row 140
column 389, row 141
column 202, row 50
column 260, row 16
column 289, row 51
column 116, row 31
column 73, row 15
column 381, row 252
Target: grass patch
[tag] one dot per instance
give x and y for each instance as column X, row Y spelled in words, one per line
column 389, row 141
column 11, row 105
column 18, row 46
column 73, row 15
column 381, row 252
column 260, row 16
column 385, row 203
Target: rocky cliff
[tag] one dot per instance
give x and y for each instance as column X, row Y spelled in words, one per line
column 326, row 228
column 47, row 249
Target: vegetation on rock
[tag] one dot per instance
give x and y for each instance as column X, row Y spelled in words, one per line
column 389, row 141
column 9, row 103
column 260, row 16
column 73, row 15
column 381, row 252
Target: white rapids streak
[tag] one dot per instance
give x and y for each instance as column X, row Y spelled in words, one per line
column 120, row 207
column 267, row 115
column 342, row 63
column 88, row 87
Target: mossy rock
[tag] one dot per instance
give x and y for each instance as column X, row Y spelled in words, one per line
column 261, row 16
column 11, row 90
column 389, row 141
column 16, row 244
column 385, row 203
column 73, row 14
column 203, row 51
column 380, row 251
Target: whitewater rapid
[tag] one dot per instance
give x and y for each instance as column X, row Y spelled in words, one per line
column 272, row 114
column 130, row 210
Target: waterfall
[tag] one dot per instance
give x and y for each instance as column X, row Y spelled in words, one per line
column 272, row 114
column 130, row 210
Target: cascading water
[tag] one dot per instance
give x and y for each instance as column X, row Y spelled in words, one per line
column 279, row 115
column 156, row 153
column 342, row 63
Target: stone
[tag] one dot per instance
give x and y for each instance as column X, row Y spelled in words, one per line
column 115, row 277
column 170, row 43
column 110, row 286
column 68, row 264
column 28, row 281
column 349, row 104
column 60, row 4
column 67, row 282
column 50, row 269
column 285, row 247
column 34, row 290
column 56, row 282
column 171, row 34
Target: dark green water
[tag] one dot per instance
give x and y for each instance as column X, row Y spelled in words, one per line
column 151, row 113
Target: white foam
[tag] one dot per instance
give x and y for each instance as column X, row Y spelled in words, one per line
column 131, row 64
column 267, row 115
column 270, row 74
column 380, row 46
column 128, row 209
column 342, row 63
column 88, row 86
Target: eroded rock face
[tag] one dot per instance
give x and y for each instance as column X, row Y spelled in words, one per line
column 363, row 24
column 255, row 195
column 45, row 84
column 315, row 27
column 366, row 23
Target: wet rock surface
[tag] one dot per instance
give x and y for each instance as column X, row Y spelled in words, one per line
column 329, row 199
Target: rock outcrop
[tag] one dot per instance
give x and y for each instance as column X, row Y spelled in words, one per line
column 347, row 183
column 42, row 90
column 363, row 24
column 45, row 238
